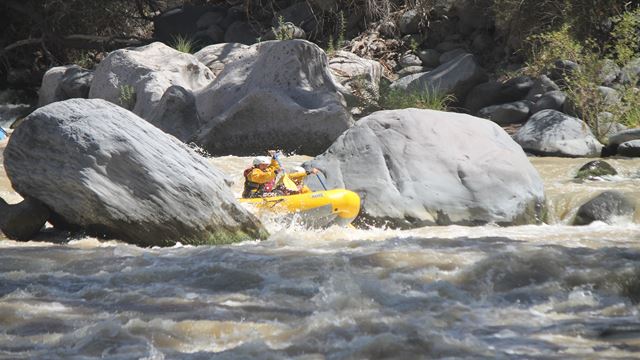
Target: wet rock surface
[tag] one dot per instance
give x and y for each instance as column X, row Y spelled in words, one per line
column 105, row 170
column 415, row 167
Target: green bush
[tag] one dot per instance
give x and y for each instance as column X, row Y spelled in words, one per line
column 581, row 85
column 625, row 36
column 127, row 97
column 420, row 99
column 183, row 44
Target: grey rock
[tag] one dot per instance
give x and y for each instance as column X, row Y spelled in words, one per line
column 492, row 93
column 450, row 55
column 64, row 82
column 457, row 77
column 215, row 33
column 181, row 20
column 76, row 82
column 210, row 18
column 176, row 114
column 553, row 100
column 604, row 207
column 283, row 97
column 409, row 70
column 552, row 133
column 629, row 148
column 562, row 69
column 609, row 72
column 624, row 136
column 24, row 220
column 510, row 113
column 607, row 125
column 51, row 89
column 430, row 57
column 409, row 22
column 356, row 74
column 630, row 73
column 241, row 32
column 103, row 169
column 542, row 85
column 216, row 56
column 609, row 96
column 410, row 59
column 234, row 14
column 594, row 169
column 150, row 70
column 433, row 167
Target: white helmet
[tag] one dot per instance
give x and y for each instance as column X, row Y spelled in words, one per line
column 261, row 160
column 298, row 169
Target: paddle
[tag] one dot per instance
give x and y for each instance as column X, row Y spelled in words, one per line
column 286, row 180
column 321, row 182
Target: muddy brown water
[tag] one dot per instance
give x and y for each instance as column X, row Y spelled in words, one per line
column 551, row 291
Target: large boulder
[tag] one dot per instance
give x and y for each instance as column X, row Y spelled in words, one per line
column 416, row 167
column 176, row 114
column 457, row 77
column 149, row 71
column 604, row 207
column 99, row 167
column 552, row 133
column 216, row 56
column 283, row 96
column 50, row 89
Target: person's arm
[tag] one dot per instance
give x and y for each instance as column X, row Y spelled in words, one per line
column 261, row 177
column 297, row 175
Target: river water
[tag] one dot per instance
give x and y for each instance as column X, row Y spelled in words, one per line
column 538, row 291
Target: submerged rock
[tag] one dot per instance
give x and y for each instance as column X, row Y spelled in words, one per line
column 282, row 96
column 415, row 167
column 99, row 167
column 594, row 169
column 604, row 207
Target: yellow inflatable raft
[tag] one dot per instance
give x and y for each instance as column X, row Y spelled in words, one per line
column 317, row 209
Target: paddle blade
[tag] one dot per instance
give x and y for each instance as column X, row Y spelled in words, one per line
column 288, row 183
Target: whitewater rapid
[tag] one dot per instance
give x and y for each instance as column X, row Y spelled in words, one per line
column 535, row 291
